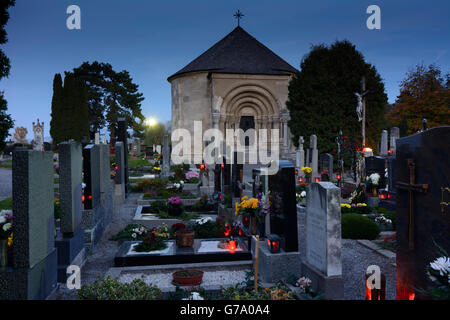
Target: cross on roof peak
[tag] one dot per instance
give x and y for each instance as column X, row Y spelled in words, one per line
column 238, row 15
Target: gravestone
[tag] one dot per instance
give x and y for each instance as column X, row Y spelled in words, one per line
column 106, row 185
column 33, row 274
column 92, row 213
column 300, row 156
column 91, row 176
column 283, row 215
column 165, row 171
column 375, row 165
column 149, row 152
column 281, row 221
column 136, row 147
column 314, row 154
column 323, row 264
column 384, row 143
column 326, row 163
column 122, row 136
column 237, row 168
column 120, row 173
column 97, row 138
column 395, row 134
column 391, row 175
column 70, row 240
column 423, row 216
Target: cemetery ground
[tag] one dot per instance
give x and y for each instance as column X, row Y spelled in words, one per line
column 200, row 224
column 356, row 257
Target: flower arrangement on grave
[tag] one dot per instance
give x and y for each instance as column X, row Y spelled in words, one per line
column 131, row 232
column 175, row 206
column 192, row 177
column 304, row 284
column 360, row 208
column 6, row 221
column 325, row 175
column 358, row 195
column 246, row 291
column 56, row 168
column 250, row 208
column 372, row 183
column 155, row 240
column 307, row 171
column 439, row 273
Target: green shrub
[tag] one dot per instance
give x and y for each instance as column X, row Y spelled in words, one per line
column 138, row 163
column 355, row 226
column 6, row 204
column 57, row 208
column 357, row 209
column 147, row 185
column 112, row 289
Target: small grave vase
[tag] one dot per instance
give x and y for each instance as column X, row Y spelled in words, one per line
column 253, row 225
column 184, row 238
column 3, row 254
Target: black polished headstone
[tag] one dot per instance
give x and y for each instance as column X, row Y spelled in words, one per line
column 422, row 159
column 122, row 136
column 236, row 168
column 283, row 209
column 91, row 176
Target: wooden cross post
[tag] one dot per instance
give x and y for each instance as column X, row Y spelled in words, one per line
column 411, row 187
column 256, row 262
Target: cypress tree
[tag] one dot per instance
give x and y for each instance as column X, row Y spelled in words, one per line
column 56, row 123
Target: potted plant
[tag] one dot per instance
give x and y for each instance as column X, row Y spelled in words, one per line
column 184, row 237
column 5, row 236
column 188, row 277
column 175, row 207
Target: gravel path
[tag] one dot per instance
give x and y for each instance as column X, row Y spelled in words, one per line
column 355, row 260
column 98, row 263
column 5, row 183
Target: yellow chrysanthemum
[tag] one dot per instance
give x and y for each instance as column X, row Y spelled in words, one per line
column 10, row 240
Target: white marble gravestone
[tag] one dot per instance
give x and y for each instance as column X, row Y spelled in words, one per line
column 384, row 143
column 323, row 262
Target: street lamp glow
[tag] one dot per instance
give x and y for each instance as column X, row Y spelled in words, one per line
column 151, row 122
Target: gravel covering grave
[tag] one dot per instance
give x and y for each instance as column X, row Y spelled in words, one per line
column 213, row 277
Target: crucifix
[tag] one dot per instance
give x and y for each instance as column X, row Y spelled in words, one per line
column 411, row 187
column 361, row 109
column 238, row 15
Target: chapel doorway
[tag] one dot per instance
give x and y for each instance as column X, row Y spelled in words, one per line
column 246, row 123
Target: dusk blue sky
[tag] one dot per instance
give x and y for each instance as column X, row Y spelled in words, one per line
column 154, row 39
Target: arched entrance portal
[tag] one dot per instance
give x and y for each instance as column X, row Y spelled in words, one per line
column 246, row 123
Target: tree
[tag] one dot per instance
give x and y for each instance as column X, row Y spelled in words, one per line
column 424, row 93
column 70, row 110
column 57, row 122
column 321, row 96
column 111, row 95
column 154, row 135
column 6, row 121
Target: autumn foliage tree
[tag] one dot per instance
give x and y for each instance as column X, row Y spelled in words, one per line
column 424, row 93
